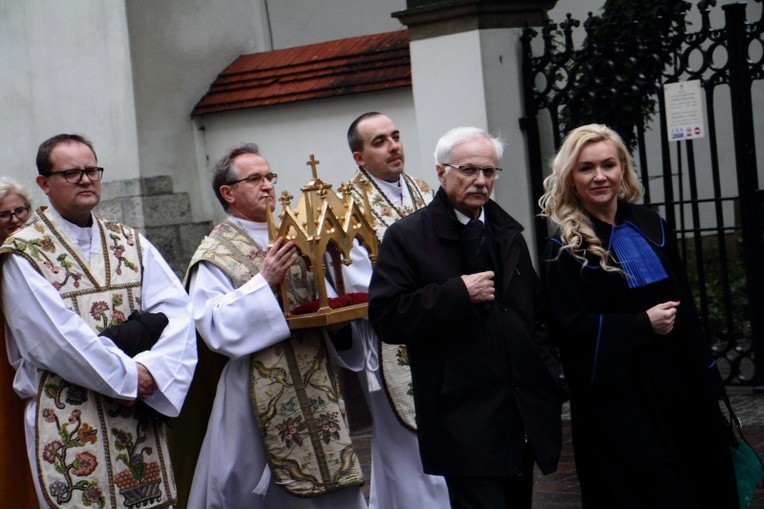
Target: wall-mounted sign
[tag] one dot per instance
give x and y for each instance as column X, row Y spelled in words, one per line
column 684, row 110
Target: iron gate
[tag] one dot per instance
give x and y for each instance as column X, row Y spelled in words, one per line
column 716, row 213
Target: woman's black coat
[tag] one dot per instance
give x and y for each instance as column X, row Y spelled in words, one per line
column 647, row 431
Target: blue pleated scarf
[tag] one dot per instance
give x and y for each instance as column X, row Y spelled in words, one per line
column 638, row 260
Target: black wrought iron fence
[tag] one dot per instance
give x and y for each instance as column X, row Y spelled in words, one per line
column 706, row 188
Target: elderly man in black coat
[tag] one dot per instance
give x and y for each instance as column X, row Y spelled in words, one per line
column 454, row 282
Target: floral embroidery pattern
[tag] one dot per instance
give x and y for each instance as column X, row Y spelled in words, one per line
column 383, row 210
column 310, row 408
column 317, row 404
column 140, row 482
column 72, row 435
column 84, row 464
column 381, row 202
column 402, row 356
column 75, row 395
column 68, row 273
column 108, row 315
column 98, row 311
column 118, row 250
column 291, row 384
column 76, row 440
column 329, row 426
column 288, row 406
column 395, row 366
column 289, row 430
column 37, row 248
column 118, row 228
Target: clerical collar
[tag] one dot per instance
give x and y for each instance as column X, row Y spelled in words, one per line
column 465, row 219
column 82, row 236
column 258, row 231
column 393, row 190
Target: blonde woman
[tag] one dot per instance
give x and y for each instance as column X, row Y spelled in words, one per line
column 647, row 431
column 15, row 482
column 15, row 207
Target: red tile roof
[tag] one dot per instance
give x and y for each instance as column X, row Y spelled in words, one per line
column 328, row 69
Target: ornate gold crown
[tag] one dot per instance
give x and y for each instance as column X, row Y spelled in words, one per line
column 323, row 224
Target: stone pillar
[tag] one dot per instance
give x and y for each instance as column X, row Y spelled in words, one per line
column 466, row 70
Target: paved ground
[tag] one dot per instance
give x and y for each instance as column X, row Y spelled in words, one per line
column 560, row 490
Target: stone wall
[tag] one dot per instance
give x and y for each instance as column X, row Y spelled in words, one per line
column 162, row 215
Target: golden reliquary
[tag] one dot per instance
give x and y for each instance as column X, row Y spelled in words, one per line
column 323, row 227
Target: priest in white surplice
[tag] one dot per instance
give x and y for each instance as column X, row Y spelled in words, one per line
column 397, row 478
column 66, row 277
column 277, row 436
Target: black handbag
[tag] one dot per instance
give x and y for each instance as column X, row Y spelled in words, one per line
column 135, row 335
column 749, row 468
column 138, row 333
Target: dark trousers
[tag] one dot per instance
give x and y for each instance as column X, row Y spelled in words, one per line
column 490, row 492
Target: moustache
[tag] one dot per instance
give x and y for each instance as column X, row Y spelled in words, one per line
column 477, row 190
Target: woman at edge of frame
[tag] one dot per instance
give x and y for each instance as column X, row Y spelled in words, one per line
column 16, row 486
column 647, row 428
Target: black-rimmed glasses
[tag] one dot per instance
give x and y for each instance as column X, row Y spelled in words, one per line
column 469, row 170
column 256, row 179
column 21, row 213
column 74, row 176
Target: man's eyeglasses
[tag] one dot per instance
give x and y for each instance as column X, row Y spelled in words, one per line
column 256, row 179
column 468, row 170
column 74, row 176
column 21, row 213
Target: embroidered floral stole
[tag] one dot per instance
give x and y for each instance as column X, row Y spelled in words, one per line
column 383, row 210
column 91, row 451
column 394, row 359
column 293, row 388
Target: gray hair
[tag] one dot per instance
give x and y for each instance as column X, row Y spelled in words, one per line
column 10, row 186
column 458, row 135
column 222, row 172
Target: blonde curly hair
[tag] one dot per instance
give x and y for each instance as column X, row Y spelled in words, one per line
column 561, row 203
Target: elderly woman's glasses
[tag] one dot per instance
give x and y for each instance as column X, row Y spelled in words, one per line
column 21, row 213
column 468, row 170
